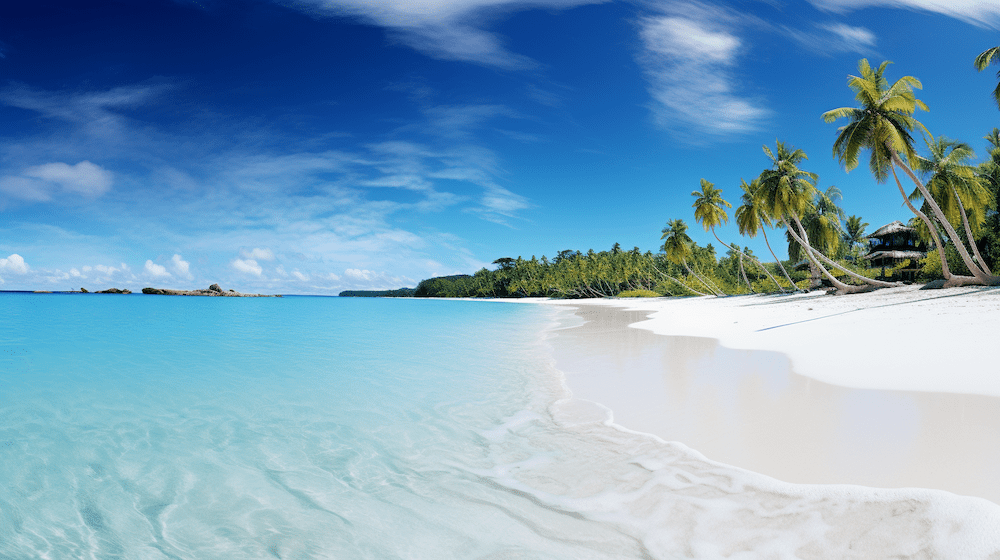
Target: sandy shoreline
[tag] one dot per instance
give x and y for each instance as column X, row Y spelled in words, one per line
column 894, row 339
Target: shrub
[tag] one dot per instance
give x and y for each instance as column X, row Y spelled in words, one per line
column 639, row 293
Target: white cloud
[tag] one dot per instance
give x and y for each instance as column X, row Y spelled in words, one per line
column 258, row 254
column 446, row 29
column 299, row 275
column 14, row 264
column 978, row 12
column 854, row 38
column 181, row 267
column 23, row 188
column 689, row 53
column 83, row 178
column 358, row 274
column 248, row 266
column 42, row 182
column 833, row 37
column 156, row 270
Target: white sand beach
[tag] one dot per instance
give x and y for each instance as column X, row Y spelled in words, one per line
column 892, row 389
column 895, row 339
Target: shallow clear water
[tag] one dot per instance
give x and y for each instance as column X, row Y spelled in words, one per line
column 172, row 427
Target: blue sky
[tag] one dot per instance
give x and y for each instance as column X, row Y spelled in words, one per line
column 313, row 146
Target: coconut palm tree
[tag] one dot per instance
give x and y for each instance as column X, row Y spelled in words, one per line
column 883, row 126
column 854, row 232
column 710, row 212
column 786, row 192
column 985, row 58
column 677, row 246
column 957, row 186
column 750, row 219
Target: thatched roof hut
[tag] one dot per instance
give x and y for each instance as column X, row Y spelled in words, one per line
column 892, row 244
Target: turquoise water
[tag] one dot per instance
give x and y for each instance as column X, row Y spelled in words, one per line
column 172, row 427
column 156, row 427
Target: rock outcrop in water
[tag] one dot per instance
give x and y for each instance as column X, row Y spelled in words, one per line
column 110, row 291
column 213, row 290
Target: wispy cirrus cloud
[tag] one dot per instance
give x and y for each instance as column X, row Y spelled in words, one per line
column 833, row 37
column 445, row 29
column 690, row 54
column 978, row 12
column 98, row 112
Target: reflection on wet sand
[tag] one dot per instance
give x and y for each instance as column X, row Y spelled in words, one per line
column 748, row 409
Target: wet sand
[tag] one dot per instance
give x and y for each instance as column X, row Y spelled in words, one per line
column 747, row 408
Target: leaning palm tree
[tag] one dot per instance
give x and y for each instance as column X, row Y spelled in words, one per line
column 709, row 211
column 957, row 186
column 786, row 192
column 750, row 219
column 677, row 246
column 985, row 58
column 883, row 126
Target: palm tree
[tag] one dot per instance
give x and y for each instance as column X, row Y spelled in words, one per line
column 985, row 58
column 786, row 193
column 750, row 219
column 956, row 186
column 882, row 125
column 709, row 211
column 854, row 231
column 678, row 248
column 822, row 221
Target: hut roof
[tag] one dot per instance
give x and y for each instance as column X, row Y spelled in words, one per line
column 895, row 255
column 889, row 229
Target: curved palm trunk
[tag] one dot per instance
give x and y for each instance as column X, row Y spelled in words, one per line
column 743, row 272
column 777, row 260
column 804, row 242
column 968, row 233
column 977, row 272
column 755, row 260
column 682, row 284
column 945, row 270
column 700, row 279
column 853, row 274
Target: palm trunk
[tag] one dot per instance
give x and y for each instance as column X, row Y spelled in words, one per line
column 804, row 242
column 715, row 286
column 982, row 277
column 777, row 260
column 682, row 284
column 743, row 272
column 700, row 279
column 853, row 274
column 968, row 233
column 945, row 270
column 758, row 262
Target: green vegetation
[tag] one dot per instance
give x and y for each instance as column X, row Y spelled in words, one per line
column 639, row 293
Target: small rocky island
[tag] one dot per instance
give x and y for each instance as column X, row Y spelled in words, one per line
column 214, row 290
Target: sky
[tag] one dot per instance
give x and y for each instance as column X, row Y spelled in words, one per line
column 314, row 146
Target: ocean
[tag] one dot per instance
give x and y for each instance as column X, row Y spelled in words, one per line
column 309, row 427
